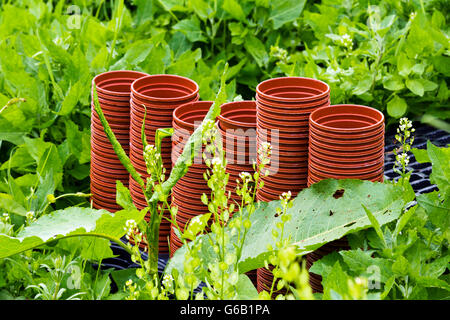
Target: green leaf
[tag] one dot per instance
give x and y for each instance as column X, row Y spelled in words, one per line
column 397, row 107
column 245, row 290
column 257, row 50
column 394, row 84
column 191, row 29
column 123, row 196
column 9, row 204
column 285, row 11
column 404, row 65
column 440, row 175
column 71, row 99
column 234, row 9
column 326, row 211
column 421, row 155
column 415, row 86
column 335, row 285
column 400, row 266
column 438, row 211
column 375, row 224
column 70, row 222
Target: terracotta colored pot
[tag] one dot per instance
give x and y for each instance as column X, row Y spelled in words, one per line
column 336, row 163
column 345, row 142
column 377, row 118
column 348, row 136
column 291, row 119
column 354, row 170
column 282, row 126
column 238, row 115
column 269, row 185
column 269, row 89
column 285, row 136
column 143, row 88
column 186, row 115
column 349, row 148
column 107, row 79
column 317, row 174
column 280, row 107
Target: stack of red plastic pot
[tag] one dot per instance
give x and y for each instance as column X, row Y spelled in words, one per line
column 113, row 90
column 187, row 192
column 265, row 280
column 157, row 96
column 237, row 126
column 283, row 107
column 346, row 142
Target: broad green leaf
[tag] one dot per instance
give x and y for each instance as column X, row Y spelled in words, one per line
column 438, row 211
column 285, row 11
column 421, row 155
column 201, row 8
column 123, row 196
column 397, row 107
column 70, row 222
column 326, row 211
column 9, row 204
column 234, row 9
column 191, row 29
column 245, row 289
column 440, row 175
column 335, row 285
column 394, row 84
column 415, row 86
column 256, row 49
column 71, row 99
column 404, row 65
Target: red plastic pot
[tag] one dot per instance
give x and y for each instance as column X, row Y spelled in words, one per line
column 347, row 136
column 238, row 115
column 348, row 148
column 332, row 168
column 269, row 89
column 107, row 79
column 324, row 175
column 143, row 88
column 346, row 141
column 335, row 163
column 184, row 116
column 377, row 118
column 280, row 107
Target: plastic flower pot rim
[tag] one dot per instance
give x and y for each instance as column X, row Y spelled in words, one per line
column 238, row 109
column 290, row 106
column 349, row 108
column 138, row 84
column 345, row 136
column 162, row 106
column 292, row 81
column 181, row 113
column 116, row 74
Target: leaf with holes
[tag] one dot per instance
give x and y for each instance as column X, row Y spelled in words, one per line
column 326, row 211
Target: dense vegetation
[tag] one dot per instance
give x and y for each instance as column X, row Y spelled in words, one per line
column 393, row 56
